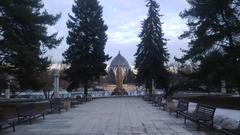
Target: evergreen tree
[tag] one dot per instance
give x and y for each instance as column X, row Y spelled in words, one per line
column 111, row 77
column 86, row 39
column 130, row 77
column 214, row 30
column 24, row 40
column 152, row 55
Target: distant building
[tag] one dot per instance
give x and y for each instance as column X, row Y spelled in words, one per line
column 127, row 74
column 119, row 60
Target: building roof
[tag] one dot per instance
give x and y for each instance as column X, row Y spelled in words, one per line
column 119, row 60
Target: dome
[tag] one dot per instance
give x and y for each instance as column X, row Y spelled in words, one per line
column 119, row 60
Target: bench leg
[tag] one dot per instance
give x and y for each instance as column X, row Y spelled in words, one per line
column 18, row 120
column 59, row 109
column 52, row 110
column 198, row 126
column 185, row 120
column 13, row 126
column 30, row 120
column 212, row 126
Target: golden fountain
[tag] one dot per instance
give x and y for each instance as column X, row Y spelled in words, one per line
column 119, row 90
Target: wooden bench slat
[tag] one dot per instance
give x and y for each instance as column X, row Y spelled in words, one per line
column 28, row 111
column 202, row 115
column 10, row 122
column 182, row 106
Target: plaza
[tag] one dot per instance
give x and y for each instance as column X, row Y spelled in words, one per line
column 111, row 116
column 110, row 67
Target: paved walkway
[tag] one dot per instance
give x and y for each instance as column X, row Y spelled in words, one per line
column 110, row 116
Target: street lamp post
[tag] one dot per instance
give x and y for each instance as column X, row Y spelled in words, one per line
column 8, row 90
column 223, row 87
column 56, row 83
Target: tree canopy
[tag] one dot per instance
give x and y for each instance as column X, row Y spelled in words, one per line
column 24, row 40
column 214, row 33
column 152, row 55
column 86, row 39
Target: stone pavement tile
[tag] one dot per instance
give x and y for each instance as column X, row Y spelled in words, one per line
column 111, row 133
column 185, row 133
column 137, row 130
column 169, row 131
column 110, row 116
column 161, row 125
column 178, row 128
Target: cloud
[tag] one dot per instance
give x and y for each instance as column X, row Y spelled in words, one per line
column 123, row 18
column 126, row 33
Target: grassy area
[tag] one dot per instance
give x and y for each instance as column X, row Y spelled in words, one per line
column 217, row 101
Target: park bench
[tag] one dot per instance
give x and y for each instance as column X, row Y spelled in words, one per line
column 232, row 131
column 8, row 122
column 203, row 114
column 10, row 112
column 28, row 111
column 147, row 97
column 44, row 107
column 181, row 107
column 74, row 102
column 89, row 98
column 7, row 117
column 80, row 99
column 154, row 100
column 56, row 105
column 161, row 103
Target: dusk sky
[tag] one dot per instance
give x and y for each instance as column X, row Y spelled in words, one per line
column 123, row 18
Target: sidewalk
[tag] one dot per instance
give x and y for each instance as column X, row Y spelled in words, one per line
column 111, row 116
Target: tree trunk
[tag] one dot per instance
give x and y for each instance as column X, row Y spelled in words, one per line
column 85, row 90
column 150, row 89
column 149, row 86
column 45, row 94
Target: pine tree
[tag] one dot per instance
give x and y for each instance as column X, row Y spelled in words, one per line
column 111, row 77
column 130, row 77
column 24, row 40
column 214, row 30
column 86, row 39
column 152, row 55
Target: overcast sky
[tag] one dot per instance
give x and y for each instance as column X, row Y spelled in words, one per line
column 123, row 18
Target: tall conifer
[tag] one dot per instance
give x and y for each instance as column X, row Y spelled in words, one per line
column 86, row 39
column 214, row 31
column 24, row 40
column 152, row 56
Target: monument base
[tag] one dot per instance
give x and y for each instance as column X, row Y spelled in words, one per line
column 119, row 92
